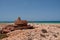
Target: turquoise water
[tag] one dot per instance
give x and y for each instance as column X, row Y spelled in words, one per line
column 44, row 21
column 6, row 21
column 32, row 21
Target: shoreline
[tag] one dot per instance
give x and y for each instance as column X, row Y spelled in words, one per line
column 32, row 23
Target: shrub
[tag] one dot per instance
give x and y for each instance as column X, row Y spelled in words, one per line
column 3, row 36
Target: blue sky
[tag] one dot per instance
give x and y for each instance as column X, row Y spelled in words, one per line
column 33, row 10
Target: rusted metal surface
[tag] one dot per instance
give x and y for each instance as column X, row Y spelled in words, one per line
column 18, row 24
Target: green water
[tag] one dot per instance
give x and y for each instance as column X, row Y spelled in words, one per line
column 44, row 21
column 32, row 21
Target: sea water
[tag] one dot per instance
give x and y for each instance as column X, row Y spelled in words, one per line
column 38, row 22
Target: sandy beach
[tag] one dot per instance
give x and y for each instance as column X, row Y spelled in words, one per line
column 29, row 19
column 40, row 32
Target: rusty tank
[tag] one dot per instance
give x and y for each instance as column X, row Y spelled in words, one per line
column 18, row 25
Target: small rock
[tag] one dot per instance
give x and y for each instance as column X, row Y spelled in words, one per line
column 44, row 30
column 42, row 35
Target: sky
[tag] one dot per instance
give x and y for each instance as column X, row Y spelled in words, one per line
column 31, row 10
